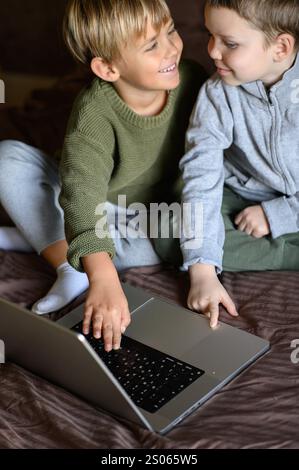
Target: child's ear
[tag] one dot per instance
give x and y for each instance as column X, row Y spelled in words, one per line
column 104, row 70
column 285, row 46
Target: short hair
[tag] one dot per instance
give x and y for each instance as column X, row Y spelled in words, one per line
column 101, row 28
column 272, row 17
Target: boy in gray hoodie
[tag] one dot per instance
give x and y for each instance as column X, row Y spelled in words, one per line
column 242, row 160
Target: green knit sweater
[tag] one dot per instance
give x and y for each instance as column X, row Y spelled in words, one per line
column 109, row 150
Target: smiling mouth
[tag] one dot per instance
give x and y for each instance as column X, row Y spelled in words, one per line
column 222, row 69
column 171, row 68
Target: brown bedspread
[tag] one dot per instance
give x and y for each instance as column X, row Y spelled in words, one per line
column 259, row 409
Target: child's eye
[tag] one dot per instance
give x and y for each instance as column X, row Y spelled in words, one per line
column 231, row 45
column 172, row 31
column 152, row 47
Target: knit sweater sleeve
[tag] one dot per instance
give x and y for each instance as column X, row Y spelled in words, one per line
column 85, row 172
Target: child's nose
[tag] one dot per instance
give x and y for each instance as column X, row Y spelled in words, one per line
column 214, row 51
column 171, row 50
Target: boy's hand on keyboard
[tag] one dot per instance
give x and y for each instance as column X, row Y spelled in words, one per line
column 207, row 292
column 106, row 308
column 253, row 221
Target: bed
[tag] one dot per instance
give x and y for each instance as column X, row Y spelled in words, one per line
column 258, row 409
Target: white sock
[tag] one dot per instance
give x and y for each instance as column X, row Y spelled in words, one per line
column 11, row 239
column 69, row 285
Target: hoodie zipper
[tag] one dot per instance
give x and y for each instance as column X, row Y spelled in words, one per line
column 274, row 153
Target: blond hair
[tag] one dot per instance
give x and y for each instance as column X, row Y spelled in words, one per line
column 101, row 28
column 272, row 17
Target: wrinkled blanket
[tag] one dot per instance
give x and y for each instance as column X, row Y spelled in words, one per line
column 259, row 409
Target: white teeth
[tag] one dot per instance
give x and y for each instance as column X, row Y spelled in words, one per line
column 169, row 69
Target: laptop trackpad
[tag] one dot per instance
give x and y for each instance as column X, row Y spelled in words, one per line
column 135, row 296
column 168, row 327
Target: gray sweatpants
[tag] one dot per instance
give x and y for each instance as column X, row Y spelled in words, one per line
column 29, row 191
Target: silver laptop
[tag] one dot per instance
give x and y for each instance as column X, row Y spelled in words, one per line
column 169, row 364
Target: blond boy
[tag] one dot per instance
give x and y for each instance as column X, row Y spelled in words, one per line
column 124, row 139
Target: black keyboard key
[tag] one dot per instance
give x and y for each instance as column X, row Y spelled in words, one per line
column 150, row 377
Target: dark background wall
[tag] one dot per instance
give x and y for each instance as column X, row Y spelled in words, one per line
column 30, row 37
column 31, row 40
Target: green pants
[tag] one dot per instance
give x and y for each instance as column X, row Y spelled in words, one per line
column 242, row 252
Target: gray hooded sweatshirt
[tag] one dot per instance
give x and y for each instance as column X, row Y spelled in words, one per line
column 248, row 138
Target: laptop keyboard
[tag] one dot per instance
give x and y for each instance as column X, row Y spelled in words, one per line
column 150, row 377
